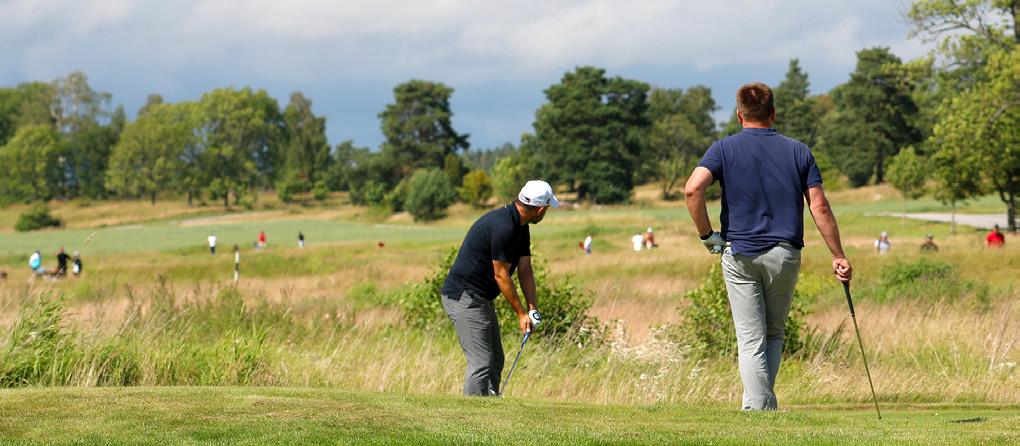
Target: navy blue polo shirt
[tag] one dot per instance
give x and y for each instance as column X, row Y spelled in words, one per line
column 497, row 235
column 764, row 176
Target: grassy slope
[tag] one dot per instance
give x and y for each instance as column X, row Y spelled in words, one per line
column 301, row 416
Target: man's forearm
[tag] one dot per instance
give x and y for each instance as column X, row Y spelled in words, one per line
column 827, row 227
column 506, row 286
column 699, row 212
column 527, row 280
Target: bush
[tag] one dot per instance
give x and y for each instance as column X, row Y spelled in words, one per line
column 927, row 279
column 564, row 307
column 320, row 191
column 477, row 188
column 429, row 194
column 371, row 193
column 707, row 324
column 37, row 217
column 508, row 175
column 395, row 199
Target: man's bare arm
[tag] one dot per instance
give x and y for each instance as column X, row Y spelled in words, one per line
column 694, row 191
column 506, row 286
column 526, row 276
column 824, row 219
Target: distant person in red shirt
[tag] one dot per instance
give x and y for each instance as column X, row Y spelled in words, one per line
column 262, row 239
column 995, row 239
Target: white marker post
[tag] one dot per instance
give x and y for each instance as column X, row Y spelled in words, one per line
column 237, row 263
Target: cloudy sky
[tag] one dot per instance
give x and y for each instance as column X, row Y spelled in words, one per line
column 498, row 55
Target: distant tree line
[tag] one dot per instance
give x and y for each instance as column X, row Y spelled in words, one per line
column 951, row 119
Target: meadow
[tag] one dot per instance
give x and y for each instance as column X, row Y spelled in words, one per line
column 309, row 332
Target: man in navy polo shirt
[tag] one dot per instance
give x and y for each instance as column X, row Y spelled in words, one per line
column 496, row 245
column 765, row 178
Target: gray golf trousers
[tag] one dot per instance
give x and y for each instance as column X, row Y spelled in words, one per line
column 760, row 290
column 474, row 319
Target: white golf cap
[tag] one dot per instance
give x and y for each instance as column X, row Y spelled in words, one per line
column 649, row 229
column 538, row 193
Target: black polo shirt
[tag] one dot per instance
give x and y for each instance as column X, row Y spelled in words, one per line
column 497, row 235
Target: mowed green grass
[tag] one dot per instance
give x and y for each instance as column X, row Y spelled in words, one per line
column 199, row 415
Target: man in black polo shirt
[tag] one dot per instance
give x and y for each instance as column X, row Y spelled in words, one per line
column 496, row 245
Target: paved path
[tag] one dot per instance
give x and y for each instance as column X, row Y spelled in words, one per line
column 984, row 221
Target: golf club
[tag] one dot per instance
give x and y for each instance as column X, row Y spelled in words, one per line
column 512, row 367
column 850, row 303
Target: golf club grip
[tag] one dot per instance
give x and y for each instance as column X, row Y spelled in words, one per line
column 849, row 301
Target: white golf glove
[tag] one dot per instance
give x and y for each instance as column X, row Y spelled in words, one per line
column 536, row 318
column 714, row 243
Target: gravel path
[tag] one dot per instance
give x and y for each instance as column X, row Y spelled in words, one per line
column 983, row 221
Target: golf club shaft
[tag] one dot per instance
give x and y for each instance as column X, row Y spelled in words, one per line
column 853, row 316
column 512, row 367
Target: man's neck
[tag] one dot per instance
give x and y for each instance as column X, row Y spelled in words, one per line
column 522, row 212
column 757, row 125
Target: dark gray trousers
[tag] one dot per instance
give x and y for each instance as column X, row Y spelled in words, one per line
column 474, row 319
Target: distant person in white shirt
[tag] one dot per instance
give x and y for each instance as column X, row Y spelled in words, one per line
column 638, row 241
column 882, row 245
column 301, row 239
column 587, row 245
column 35, row 262
column 212, row 244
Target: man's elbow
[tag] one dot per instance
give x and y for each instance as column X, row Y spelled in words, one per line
column 821, row 209
column 693, row 191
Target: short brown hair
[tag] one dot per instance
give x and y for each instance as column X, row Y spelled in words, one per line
column 755, row 102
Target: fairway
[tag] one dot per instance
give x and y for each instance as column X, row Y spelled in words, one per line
column 192, row 415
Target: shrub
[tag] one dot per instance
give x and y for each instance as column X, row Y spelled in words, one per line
column 564, row 307
column 508, row 175
column 371, row 193
column 320, row 191
column 477, row 188
column 707, row 324
column 37, row 217
column 927, row 279
column 429, row 194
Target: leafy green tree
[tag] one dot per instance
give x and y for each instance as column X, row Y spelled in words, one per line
column 676, row 147
column 795, row 110
column 956, row 180
column 589, row 134
column 682, row 128
column 242, row 131
column 86, row 157
column 418, row 127
column 365, row 174
column 508, row 176
column 152, row 100
column 26, row 104
column 147, row 159
column 76, row 104
column 908, row 173
column 30, row 167
column 454, row 168
column 872, row 119
column 307, row 154
column 477, row 188
column 320, row 190
column 485, row 159
column 979, row 130
column 968, row 32
column 429, row 194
